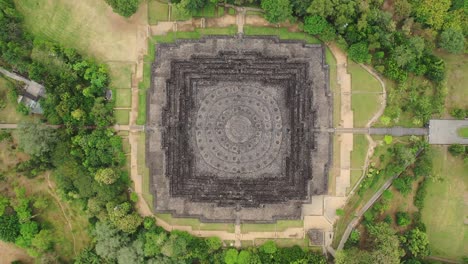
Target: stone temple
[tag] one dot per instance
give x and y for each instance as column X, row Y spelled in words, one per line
column 237, row 128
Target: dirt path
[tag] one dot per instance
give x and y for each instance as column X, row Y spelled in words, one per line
column 346, row 121
column 10, row 252
column 57, row 199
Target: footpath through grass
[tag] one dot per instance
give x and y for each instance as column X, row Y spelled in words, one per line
column 365, row 99
column 444, row 210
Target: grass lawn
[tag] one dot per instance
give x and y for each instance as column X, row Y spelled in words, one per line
column 196, row 224
column 231, row 11
column 121, row 74
column 143, row 169
column 123, row 97
column 122, row 116
column 457, row 80
column 358, row 155
column 463, row 132
column 220, row 11
column 280, row 225
column 362, row 80
column 254, row 13
column 444, row 210
column 179, row 15
column 157, row 11
column 367, row 100
column 89, row 26
column 364, row 106
column 8, row 115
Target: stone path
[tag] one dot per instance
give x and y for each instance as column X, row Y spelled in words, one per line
column 343, row 181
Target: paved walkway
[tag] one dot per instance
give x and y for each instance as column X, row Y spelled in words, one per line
column 394, row 131
column 446, row 132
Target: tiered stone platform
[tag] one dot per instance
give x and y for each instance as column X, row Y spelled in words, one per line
column 237, row 128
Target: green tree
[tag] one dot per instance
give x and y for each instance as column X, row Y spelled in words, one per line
column 102, row 113
column 106, row 176
column 42, row 242
column 417, row 243
column 402, row 9
column 277, row 10
column 123, row 217
column 153, row 243
column 359, row 52
column 213, row 243
column 4, row 202
column 432, row 12
column 231, row 256
column 124, row 8
column 452, row 41
column 403, row 218
column 36, row 139
column 27, row 232
column 131, row 254
column 244, row 257
column 87, row 256
column 457, row 149
column 269, row 247
column 175, row 246
column 323, row 8
column 9, row 227
column 315, row 25
column 108, row 241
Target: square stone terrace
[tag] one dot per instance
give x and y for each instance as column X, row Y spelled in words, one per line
column 237, row 128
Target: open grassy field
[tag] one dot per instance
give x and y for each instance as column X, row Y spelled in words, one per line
column 279, row 226
column 283, row 33
column 157, row 11
column 123, row 98
column 8, row 114
column 89, row 26
column 445, row 208
column 364, row 106
column 365, row 98
column 457, row 80
column 122, row 116
column 121, row 74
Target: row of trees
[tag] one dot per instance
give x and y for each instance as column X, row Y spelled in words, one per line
column 152, row 244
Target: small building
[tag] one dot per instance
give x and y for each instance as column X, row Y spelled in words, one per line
column 31, row 95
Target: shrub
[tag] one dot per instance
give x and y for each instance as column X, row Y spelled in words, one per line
column 420, row 195
column 388, row 139
column 124, row 8
column 403, row 184
column 359, row 52
column 403, row 218
column 456, row 149
column 452, row 41
column 339, row 212
column 459, row 113
column 315, row 25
